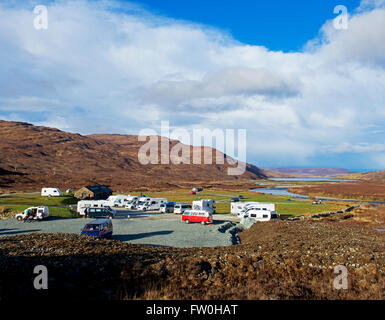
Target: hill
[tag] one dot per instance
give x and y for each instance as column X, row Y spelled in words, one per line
column 304, row 172
column 373, row 176
column 35, row 156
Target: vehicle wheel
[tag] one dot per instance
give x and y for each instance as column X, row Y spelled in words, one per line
column 19, row 218
column 187, row 221
column 203, row 223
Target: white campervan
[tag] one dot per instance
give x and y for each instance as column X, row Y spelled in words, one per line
column 51, row 192
column 84, row 204
column 152, row 204
column 205, row 204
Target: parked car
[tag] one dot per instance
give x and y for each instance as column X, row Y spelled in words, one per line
column 181, row 208
column 101, row 228
column 99, row 213
column 197, row 216
column 33, row 213
column 235, row 199
column 167, row 207
column 241, row 197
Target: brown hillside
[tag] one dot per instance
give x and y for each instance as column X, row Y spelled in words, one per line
column 32, row 156
column 304, row 172
column 375, row 176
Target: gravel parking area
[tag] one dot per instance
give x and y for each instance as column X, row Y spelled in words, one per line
column 141, row 228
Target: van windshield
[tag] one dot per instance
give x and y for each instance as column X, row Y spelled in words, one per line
column 92, row 227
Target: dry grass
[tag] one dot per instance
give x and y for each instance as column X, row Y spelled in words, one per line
column 5, row 213
column 282, row 260
column 356, row 190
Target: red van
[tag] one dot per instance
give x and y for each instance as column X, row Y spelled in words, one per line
column 197, row 216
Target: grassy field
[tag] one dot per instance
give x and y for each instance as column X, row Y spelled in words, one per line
column 18, row 202
column 284, row 206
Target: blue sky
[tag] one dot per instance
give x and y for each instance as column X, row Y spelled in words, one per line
column 276, row 24
column 308, row 94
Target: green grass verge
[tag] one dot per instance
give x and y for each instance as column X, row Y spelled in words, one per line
column 35, row 199
column 20, row 201
column 283, row 205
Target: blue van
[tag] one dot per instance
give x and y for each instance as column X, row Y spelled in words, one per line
column 101, row 228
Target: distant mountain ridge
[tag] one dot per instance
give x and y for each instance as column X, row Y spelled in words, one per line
column 35, row 156
column 304, row 172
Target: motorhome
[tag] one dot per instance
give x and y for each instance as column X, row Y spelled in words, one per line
column 51, row 192
column 152, row 204
column 131, row 202
column 262, row 215
column 117, row 200
column 84, row 204
column 237, row 207
column 205, row 204
column 141, row 202
column 258, row 206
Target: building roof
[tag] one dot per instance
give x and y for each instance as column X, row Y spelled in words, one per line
column 99, row 189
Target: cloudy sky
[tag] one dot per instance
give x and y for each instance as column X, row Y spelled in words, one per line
column 308, row 94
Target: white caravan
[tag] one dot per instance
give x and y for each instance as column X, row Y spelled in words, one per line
column 84, row 204
column 152, row 204
column 262, row 215
column 51, row 192
column 205, row 204
column 239, row 207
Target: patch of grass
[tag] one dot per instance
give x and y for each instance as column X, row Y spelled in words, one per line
column 35, row 199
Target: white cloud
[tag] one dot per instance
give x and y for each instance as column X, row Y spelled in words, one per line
column 98, row 68
column 359, row 148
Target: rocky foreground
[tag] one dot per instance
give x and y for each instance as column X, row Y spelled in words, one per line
column 283, row 260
